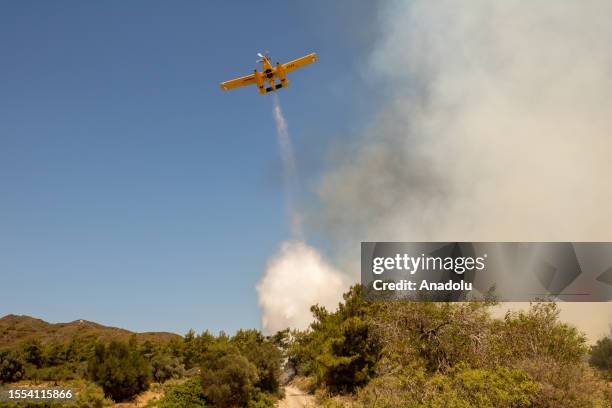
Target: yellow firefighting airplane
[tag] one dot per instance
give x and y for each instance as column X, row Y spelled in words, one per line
column 269, row 73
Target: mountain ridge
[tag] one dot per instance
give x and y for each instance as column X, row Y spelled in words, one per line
column 15, row 329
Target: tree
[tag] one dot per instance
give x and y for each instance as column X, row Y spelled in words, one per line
column 33, row 352
column 264, row 354
column 11, row 367
column 148, row 349
column 340, row 350
column 194, row 347
column 427, row 354
column 166, row 367
column 120, row 370
column 351, row 357
column 601, row 355
column 228, row 378
column 55, row 354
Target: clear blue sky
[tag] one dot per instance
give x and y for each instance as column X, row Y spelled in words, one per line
column 133, row 192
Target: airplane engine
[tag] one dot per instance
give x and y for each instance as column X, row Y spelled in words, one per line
column 280, row 72
column 259, row 80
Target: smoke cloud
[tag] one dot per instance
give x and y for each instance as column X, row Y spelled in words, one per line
column 497, row 127
column 295, row 279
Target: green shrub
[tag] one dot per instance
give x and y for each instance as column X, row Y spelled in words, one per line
column 12, row 367
column 166, row 367
column 536, row 333
column 92, row 396
column 460, row 388
column 452, row 355
column 186, row 394
column 260, row 399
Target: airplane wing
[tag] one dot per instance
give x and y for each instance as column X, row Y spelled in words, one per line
column 300, row 62
column 235, row 83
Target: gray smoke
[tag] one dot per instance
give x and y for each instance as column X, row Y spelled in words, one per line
column 497, row 127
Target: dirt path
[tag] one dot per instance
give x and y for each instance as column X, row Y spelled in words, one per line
column 141, row 400
column 296, row 398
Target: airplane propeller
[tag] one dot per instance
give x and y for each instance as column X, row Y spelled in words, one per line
column 263, row 56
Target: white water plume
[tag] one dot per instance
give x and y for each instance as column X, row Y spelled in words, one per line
column 297, row 276
column 289, row 168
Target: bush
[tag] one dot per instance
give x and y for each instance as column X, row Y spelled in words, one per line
column 452, row 355
column 57, row 373
column 536, row 333
column 11, row 367
column 92, row 396
column 261, row 399
column 166, row 367
column 566, row 385
column 187, row 394
column 495, row 388
column 120, row 370
column 461, row 387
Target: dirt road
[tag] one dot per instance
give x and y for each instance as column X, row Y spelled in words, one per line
column 296, row 398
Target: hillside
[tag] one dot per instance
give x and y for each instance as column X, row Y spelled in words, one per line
column 15, row 329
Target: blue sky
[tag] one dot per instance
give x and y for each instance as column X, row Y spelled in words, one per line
column 133, row 192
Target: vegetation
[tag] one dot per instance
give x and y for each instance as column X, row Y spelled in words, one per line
column 601, row 356
column 186, row 394
column 242, row 370
column 120, row 369
column 220, row 370
column 421, row 354
column 166, row 367
column 88, row 395
column 374, row 355
column 19, row 329
column 341, row 350
column 228, row 378
column 11, row 367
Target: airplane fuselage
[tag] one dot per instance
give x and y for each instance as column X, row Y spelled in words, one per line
column 269, row 74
